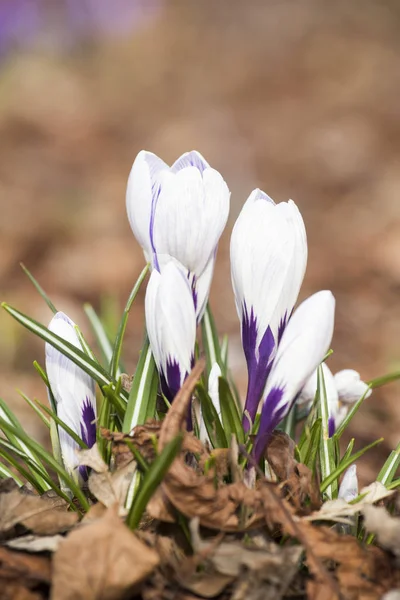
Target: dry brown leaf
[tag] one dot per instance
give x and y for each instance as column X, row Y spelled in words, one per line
column 35, row 543
column 296, row 478
column 24, row 568
column 45, row 515
column 101, row 561
column 386, row 528
column 142, row 437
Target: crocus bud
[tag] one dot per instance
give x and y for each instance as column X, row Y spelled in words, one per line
column 171, row 326
column 178, row 212
column 348, row 489
column 268, row 262
column 74, row 394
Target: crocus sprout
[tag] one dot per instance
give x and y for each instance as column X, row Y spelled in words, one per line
column 74, row 394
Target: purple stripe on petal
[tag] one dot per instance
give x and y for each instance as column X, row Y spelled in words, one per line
column 282, row 326
column 171, row 379
column 190, row 159
column 271, row 415
column 88, row 424
column 331, row 426
column 258, row 367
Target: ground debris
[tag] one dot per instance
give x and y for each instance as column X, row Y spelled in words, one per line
column 101, row 561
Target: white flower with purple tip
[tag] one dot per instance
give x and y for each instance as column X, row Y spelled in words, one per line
column 171, row 326
column 268, row 262
column 178, row 212
column 304, row 344
column 74, row 394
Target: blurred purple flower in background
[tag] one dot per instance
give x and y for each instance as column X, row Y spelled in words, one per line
column 61, row 23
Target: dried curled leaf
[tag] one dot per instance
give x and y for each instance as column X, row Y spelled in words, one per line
column 295, row 477
column 109, row 488
column 43, row 515
column 103, row 560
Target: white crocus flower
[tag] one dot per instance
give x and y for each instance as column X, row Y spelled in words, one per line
column 268, row 262
column 213, row 392
column 74, row 394
column 178, row 212
column 304, row 343
column 350, row 387
column 171, row 326
column 348, row 489
column 342, row 389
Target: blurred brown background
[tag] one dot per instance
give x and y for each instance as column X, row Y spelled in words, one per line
column 297, row 97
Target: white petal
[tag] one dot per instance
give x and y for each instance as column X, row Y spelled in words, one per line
column 190, row 159
column 298, row 261
column 349, row 386
column 171, row 319
column 72, row 388
column 202, row 287
column 303, row 346
column 143, row 188
column 191, row 214
column 348, row 489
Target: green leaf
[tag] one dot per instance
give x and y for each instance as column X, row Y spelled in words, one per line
column 32, row 404
column 63, row 425
column 380, row 381
column 388, row 471
column 308, row 449
column 116, row 352
column 6, row 473
column 349, row 450
column 77, row 356
column 7, row 415
column 21, row 470
column 143, row 395
column 212, row 421
column 152, row 480
column 231, row 420
column 334, row 476
column 47, row 458
column 327, row 444
column 99, row 331
column 211, row 343
column 39, row 288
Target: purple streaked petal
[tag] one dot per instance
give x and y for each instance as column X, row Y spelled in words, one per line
column 88, row 423
column 331, row 426
column 258, row 363
column 172, row 379
column 271, row 415
column 282, row 326
column 190, row 159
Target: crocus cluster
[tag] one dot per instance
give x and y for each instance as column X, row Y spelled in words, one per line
column 177, row 214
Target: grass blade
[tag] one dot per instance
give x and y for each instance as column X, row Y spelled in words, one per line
column 99, row 331
column 388, row 471
column 211, row 343
column 32, row 404
column 39, row 288
column 116, row 352
column 211, row 419
column 334, row 476
column 143, row 395
column 6, row 473
column 231, row 420
column 351, row 413
column 47, row 458
column 77, row 356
